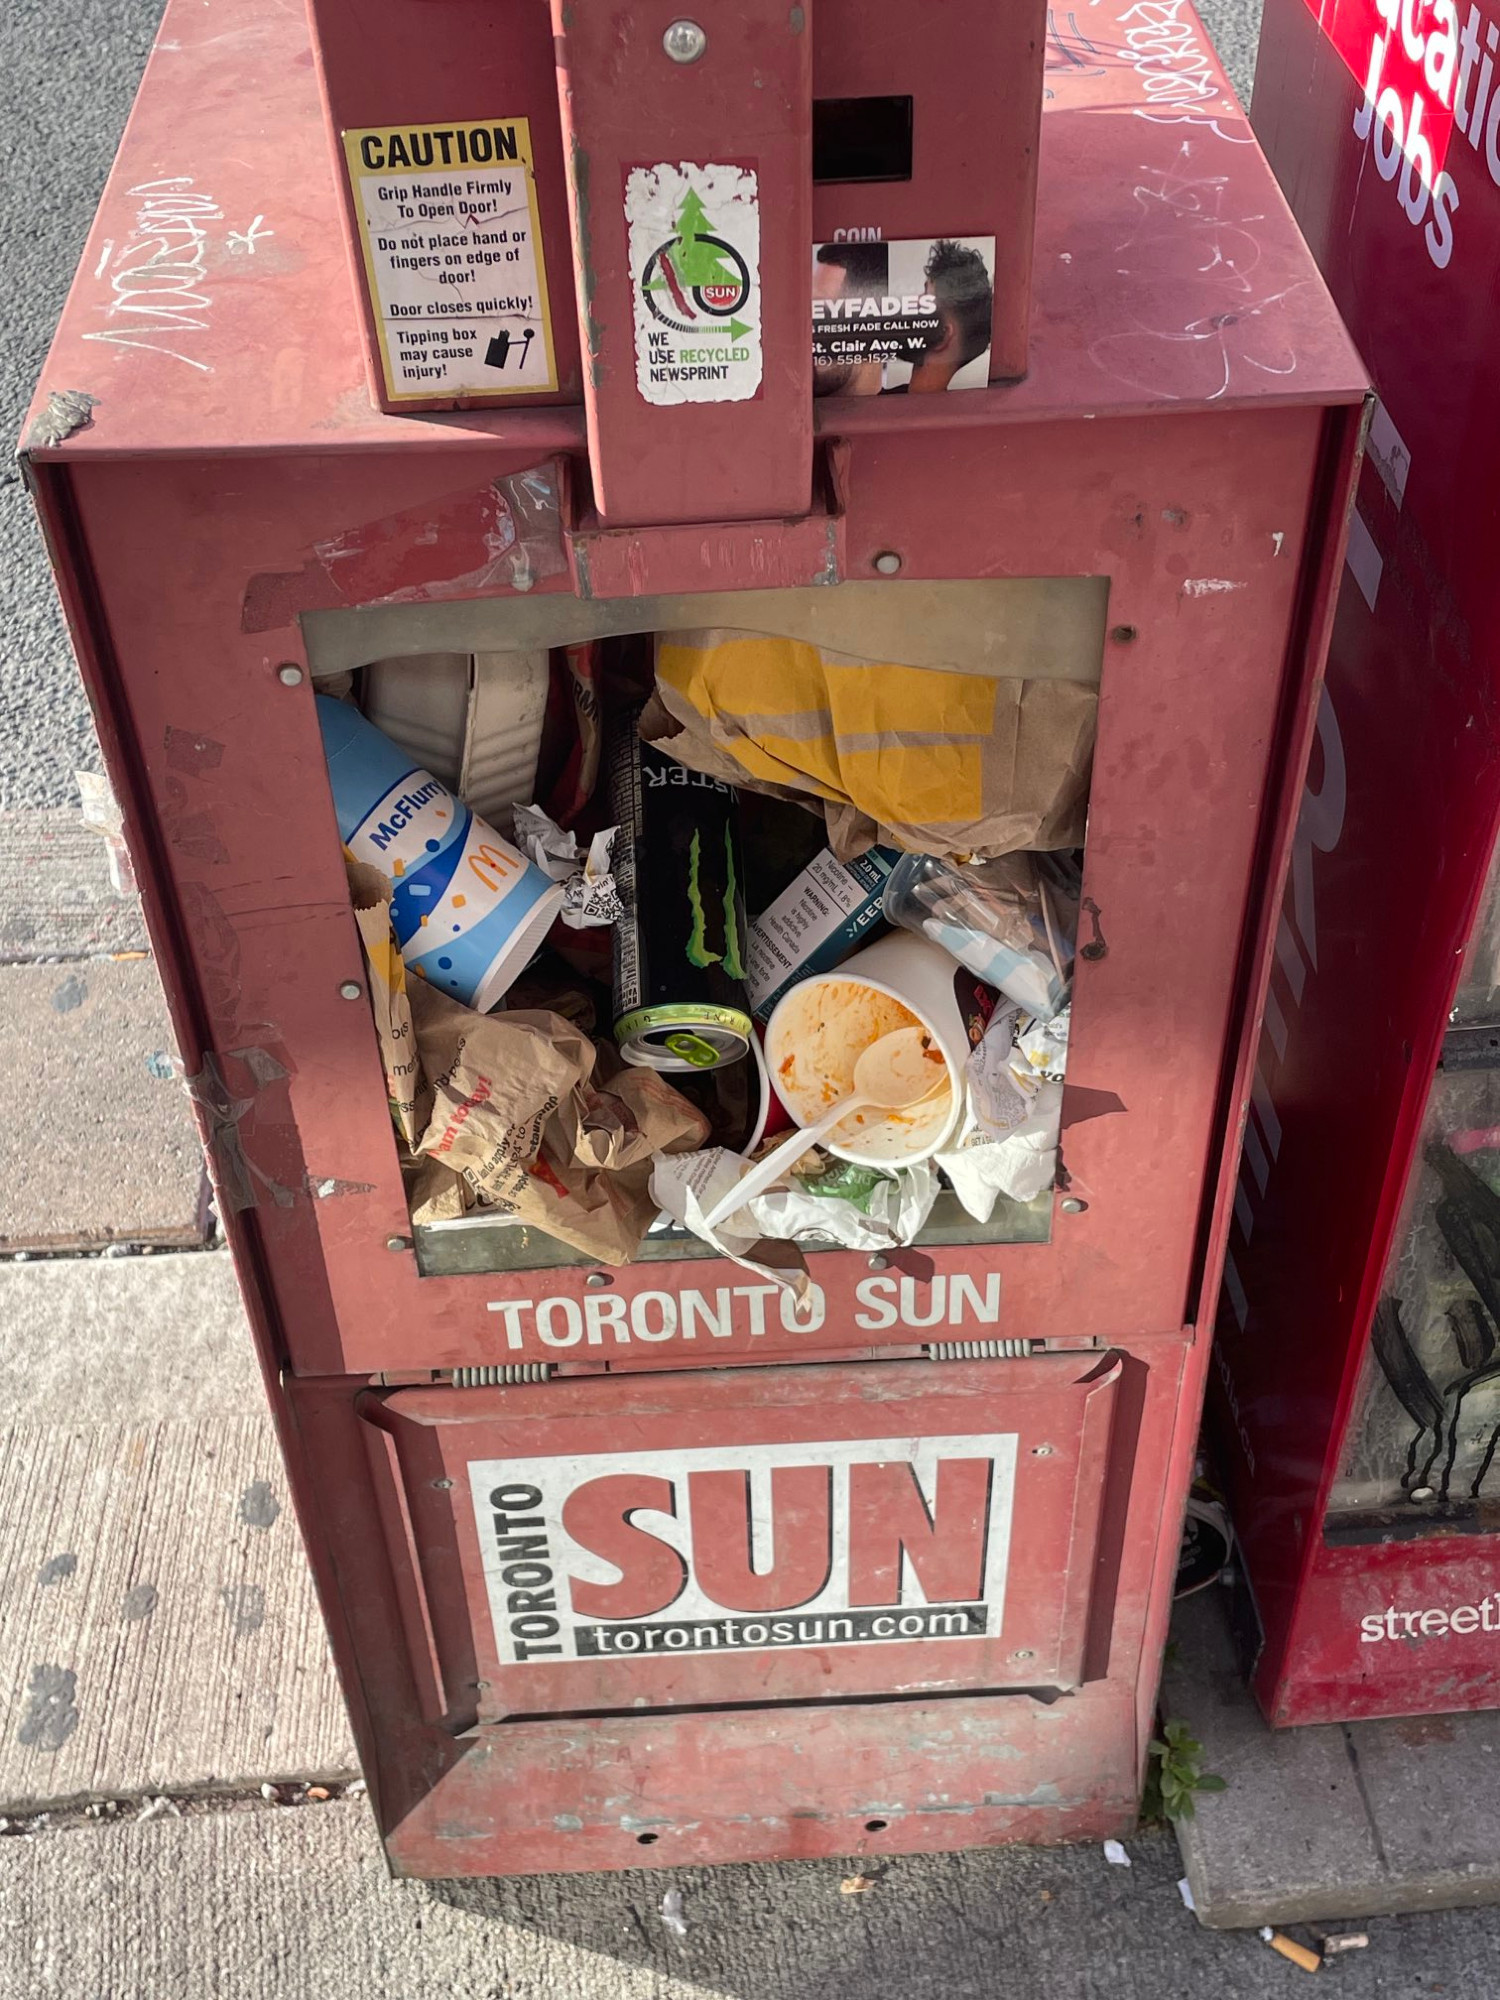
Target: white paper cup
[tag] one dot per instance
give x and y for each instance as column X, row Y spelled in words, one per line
column 904, row 968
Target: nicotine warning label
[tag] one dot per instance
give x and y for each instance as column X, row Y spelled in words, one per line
column 453, row 258
column 695, row 277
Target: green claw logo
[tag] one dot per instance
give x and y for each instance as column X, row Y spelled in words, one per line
column 698, row 953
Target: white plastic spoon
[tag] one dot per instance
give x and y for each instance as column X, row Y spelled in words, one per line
column 894, row 1072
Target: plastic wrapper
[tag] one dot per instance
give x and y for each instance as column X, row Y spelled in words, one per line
column 1020, row 1166
column 885, row 1211
column 1001, row 920
column 590, row 898
column 531, row 541
column 867, row 1212
column 1014, row 1082
column 687, row 1186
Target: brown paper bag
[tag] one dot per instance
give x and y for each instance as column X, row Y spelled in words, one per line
column 406, row 1089
column 931, row 759
column 519, row 1113
column 435, row 1193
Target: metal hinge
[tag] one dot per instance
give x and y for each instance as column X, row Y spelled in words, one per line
column 501, row 1374
column 982, row 1350
column 1008, row 1350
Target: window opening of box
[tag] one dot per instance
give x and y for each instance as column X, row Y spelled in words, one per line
column 649, row 877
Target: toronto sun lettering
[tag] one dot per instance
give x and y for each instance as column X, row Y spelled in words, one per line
column 743, row 1549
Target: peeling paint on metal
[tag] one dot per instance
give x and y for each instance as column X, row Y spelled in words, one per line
column 327, row 1187
column 68, row 411
column 830, row 570
column 192, row 754
column 593, row 331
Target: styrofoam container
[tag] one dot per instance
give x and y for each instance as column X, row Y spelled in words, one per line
column 900, row 967
column 503, row 737
column 474, row 720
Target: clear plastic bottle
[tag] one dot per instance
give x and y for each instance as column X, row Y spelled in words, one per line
column 1001, row 939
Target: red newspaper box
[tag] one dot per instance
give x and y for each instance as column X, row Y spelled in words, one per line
column 646, row 1560
column 1358, row 1400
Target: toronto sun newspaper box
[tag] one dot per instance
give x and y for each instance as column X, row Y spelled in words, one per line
column 445, row 394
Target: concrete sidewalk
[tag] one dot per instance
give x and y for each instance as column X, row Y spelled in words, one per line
column 163, row 1652
column 293, row 1904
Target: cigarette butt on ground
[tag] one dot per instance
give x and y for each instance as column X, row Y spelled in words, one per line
column 1289, row 1948
column 1345, row 1941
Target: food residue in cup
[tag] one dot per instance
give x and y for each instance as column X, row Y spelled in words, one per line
column 825, row 1025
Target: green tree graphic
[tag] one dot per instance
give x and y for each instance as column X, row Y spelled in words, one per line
column 697, row 262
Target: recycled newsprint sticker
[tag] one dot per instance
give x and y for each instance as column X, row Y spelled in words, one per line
column 907, row 318
column 453, row 258
column 695, row 282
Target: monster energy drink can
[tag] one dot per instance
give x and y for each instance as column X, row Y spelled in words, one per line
column 680, row 999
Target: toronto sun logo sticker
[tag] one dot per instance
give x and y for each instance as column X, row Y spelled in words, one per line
column 745, row 1548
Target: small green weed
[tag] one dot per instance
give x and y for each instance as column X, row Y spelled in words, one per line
column 1175, row 1773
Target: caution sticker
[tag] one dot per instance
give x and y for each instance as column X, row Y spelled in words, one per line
column 453, row 258
column 695, row 274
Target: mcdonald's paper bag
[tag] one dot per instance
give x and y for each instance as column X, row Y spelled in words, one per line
column 405, row 1088
column 936, row 760
column 546, row 1128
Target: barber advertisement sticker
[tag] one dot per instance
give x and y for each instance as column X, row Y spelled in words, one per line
column 695, row 280
column 907, row 318
column 745, row 1549
column 453, row 258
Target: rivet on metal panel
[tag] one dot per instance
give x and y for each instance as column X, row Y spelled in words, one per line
column 879, row 1263
column 398, row 1243
column 1072, row 1206
column 289, row 675
column 597, row 1278
column 684, row 41
column 351, row 990
column 1041, row 1451
column 887, row 562
column 1024, row 1654
column 443, row 1485
column 1123, row 634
